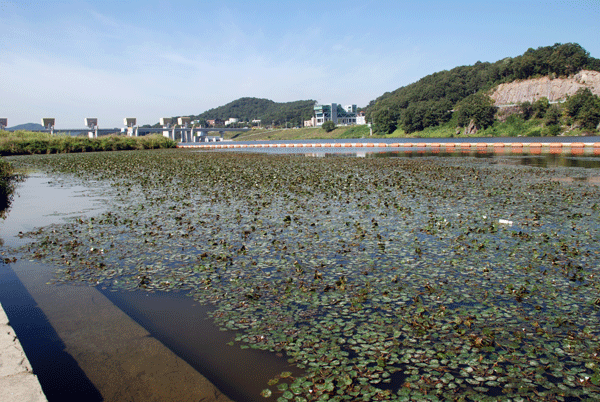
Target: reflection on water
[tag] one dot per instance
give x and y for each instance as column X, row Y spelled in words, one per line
column 594, row 180
column 544, row 160
column 41, row 200
column 7, row 188
column 557, row 160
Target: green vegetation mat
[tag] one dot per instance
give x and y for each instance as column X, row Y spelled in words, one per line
column 381, row 278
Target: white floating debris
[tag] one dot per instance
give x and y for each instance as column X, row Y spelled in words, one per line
column 505, row 222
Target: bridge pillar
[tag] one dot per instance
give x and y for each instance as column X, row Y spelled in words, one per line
column 92, row 124
column 130, row 122
column 165, row 122
column 48, row 124
column 93, row 134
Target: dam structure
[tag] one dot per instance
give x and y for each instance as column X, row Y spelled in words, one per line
column 181, row 132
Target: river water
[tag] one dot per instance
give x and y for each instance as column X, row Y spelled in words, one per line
column 96, row 344
column 93, row 344
column 375, row 140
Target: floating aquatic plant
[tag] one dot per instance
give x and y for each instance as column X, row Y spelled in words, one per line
column 379, row 278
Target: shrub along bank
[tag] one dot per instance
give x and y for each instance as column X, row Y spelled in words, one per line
column 27, row 143
column 6, row 189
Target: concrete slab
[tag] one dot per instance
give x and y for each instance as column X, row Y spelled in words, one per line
column 12, row 358
column 17, row 381
column 21, row 388
column 3, row 317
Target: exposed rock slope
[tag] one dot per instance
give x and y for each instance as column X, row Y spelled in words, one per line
column 554, row 89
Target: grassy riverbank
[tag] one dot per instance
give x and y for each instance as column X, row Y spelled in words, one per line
column 28, row 142
column 305, row 133
column 512, row 127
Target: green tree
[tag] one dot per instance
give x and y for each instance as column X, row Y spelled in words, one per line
column 540, row 107
column 553, row 115
column 584, row 107
column 589, row 116
column 328, row 126
column 385, row 120
column 526, row 110
column 412, row 119
column 478, row 108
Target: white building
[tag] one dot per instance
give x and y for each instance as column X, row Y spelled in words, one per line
column 343, row 116
column 361, row 119
column 311, row 123
column 231, row 120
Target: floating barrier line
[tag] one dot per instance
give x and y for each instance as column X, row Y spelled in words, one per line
column 577, row 148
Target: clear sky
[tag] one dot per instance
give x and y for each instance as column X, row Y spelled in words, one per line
column 149, row 59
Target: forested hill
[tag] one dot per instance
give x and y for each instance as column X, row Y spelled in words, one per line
column 428, row 101
column 26, row 126
column 248, row 109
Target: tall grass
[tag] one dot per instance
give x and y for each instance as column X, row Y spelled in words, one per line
column 27, row 143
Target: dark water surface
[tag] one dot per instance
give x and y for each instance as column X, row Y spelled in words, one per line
column 172, row 318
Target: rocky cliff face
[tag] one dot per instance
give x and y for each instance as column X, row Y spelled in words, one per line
column 556, row 89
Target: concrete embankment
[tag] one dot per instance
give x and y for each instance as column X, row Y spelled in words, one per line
column 17, row 381
column 122, row 360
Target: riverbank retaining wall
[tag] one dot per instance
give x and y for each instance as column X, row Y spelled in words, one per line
column 17, row 381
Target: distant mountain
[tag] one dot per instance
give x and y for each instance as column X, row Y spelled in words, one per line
column 26, row 126
column 268, row 111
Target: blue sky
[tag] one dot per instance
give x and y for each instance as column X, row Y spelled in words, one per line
column 150, row 59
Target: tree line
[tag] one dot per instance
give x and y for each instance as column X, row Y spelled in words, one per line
column 432, row 100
